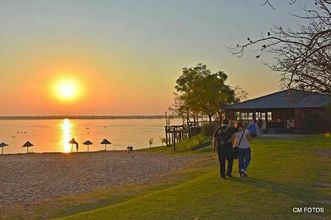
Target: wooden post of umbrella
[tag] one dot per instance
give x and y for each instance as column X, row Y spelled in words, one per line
column 27, row 145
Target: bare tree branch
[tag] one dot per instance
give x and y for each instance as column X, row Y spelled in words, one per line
column 303, row 56
column 266, row 2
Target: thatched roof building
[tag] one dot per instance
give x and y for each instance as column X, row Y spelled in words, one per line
column 279, row 110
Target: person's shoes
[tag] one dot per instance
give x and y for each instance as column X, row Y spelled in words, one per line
column 243, row 173
column 229, row 175
column 223, row 177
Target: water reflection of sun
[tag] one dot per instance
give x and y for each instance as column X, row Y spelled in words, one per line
column 66, row 135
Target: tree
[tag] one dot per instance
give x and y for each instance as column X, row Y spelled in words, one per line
column 199, row 91
column 303, row 55
column 188, row 87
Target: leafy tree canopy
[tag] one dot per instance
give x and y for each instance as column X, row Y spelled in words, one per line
column 199, row 91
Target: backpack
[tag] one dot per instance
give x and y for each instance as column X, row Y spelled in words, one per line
column 222, row 137
column 252, row 130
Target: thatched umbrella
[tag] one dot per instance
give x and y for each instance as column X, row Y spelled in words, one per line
column 72, row 142
column 105, row 142
column 27, row 145
column 88, row 143
column 2, row 145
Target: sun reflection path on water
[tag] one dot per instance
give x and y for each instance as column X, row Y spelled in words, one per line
column 66, row 135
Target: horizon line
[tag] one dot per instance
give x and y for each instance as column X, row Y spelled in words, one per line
column 48, row 117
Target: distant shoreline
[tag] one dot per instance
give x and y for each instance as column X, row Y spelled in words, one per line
column 87, row 117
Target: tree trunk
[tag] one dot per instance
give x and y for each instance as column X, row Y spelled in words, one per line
column 210, row 118
column 220, row 116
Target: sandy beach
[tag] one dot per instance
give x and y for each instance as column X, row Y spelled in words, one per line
column 40, row 177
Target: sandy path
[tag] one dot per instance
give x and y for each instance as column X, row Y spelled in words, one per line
column 36, row 177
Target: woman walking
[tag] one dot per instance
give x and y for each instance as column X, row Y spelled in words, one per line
column 242, row 138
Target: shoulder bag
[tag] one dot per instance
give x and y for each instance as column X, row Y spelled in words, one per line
column 235, row 149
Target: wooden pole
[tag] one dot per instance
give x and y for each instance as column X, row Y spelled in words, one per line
column 174, row 140
column 266, row 120
column 166, row 131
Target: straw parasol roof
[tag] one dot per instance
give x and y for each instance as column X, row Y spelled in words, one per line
column 73, row 141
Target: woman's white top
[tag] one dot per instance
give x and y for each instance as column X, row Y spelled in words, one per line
column 244, row 141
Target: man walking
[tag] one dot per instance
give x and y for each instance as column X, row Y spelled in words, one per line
column 222, row 143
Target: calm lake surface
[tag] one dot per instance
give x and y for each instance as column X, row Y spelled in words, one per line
column 54, row 135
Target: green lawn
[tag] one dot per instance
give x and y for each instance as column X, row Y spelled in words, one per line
column 284, row 173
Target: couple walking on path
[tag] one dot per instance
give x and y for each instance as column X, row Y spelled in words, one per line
column 231, row 143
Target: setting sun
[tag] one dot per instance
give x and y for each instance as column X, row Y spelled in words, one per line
column 67, row 89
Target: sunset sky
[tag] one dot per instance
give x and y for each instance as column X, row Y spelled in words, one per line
column 122, row 57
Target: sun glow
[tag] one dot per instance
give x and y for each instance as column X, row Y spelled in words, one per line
column 67, row 89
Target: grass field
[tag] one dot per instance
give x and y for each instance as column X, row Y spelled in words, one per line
column 284, row 173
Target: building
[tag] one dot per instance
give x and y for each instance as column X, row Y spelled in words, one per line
column 280, row 110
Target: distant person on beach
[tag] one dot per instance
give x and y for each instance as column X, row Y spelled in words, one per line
column 241, row 139
column 222, row 143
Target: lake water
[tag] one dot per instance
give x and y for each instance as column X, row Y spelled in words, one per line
column 54, row 135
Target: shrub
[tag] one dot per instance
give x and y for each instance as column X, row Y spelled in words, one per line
column 317, row 121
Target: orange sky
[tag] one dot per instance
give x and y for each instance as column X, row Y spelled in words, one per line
column 125, row 56
column 104, row 90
